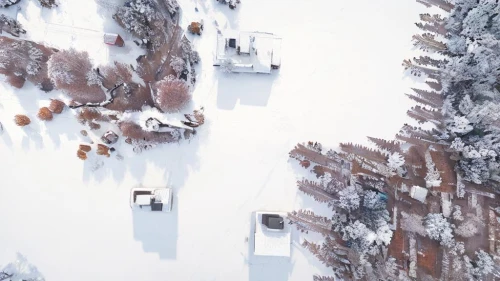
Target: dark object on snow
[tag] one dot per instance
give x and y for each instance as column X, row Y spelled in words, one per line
column 196, row 9
column 113, row 39
column 155, row 206
column 1, row 128
column 109, row 137
column 84, row 133
column 273, row 221
column 112, row 149
column 191, row 124
column 232, row 43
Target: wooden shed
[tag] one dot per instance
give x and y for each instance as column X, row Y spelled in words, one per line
column 113, row 39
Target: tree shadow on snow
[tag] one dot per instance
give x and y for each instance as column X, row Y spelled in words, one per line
column 249, row 88
column 5, row 137
column 263, row 268
column 157, row 231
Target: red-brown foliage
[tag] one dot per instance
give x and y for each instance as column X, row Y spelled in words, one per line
column 16, row 81
column 45, row 114
column 172, row 94
column 56, row 106
column 81, row 154
column 71, row 71
column 84, row 147
column 89, row 114
column 137, row 134
column 22, row 120
column 103, row 150
column 116, row 74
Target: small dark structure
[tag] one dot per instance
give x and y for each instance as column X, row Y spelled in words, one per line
column 113, row 39
column 273, row 221
column 109, row 137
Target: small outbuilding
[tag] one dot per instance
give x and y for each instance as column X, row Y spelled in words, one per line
column 272, row 236
column 418, row 193
column 113, row 39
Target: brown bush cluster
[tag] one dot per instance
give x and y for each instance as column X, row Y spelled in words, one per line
column 172, row 94
column 56, row 106
column 45, row 114
column 22, row 120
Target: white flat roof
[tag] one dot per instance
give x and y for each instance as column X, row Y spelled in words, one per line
column 143, row 199
column 245, row 42
column 271, row 242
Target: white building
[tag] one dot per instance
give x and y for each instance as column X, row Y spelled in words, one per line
column 151, row 199
column 272, row 236
column 257, row 52
column 418, row 193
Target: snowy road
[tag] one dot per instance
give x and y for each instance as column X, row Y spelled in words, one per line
column 341, row 79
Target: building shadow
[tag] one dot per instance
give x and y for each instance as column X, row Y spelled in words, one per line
column 249, row 88
column 157, row 231
column 265, row 268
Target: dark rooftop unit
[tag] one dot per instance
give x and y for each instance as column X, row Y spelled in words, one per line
column 273, row 221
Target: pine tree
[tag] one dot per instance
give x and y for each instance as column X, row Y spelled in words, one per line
column 361, row 151
column 445, row 5
column 319, row 191
column 427, row 42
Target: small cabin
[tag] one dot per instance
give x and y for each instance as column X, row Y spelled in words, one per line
column 113, row 39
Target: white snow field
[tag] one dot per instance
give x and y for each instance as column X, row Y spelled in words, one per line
column 340, row 80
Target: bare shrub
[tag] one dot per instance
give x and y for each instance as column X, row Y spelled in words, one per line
column 71, row 71
column 22, row 120
column 172, row 94
column 56, row 106
column 116, row 74
column 84, row 133
column 88, row 114
column 45, row 114
column 84, row 147
column 81, row 154
column 136, row 134
column 94, row 126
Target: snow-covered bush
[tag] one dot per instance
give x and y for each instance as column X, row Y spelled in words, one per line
column 349, row 198
column 7, row 3
column 22, row 60
column 72, row 72
column 413, row 223
column 10, row 25
column 438, row 228
column 48, row 3
column 227, row 66
column 178, row 65
column 172, row 94
column 172, row 6
column 433, row 177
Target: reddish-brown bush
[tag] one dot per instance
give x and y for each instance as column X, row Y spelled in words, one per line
column 45, row 114
column 56, row 106
column 137, row 134
column 84, row 147
column 172, row 94
column 81, row 154
column 116, row 74
column 71, row 71
column 102, row 150
column 305, row 163
column 89, row 114
column 16, row 81
column 22, row 120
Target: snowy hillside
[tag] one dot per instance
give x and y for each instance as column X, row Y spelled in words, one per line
column 340, row 80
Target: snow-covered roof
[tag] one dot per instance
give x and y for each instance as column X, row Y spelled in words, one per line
column 257, row 51
column 418, row 193
column 270, row 242
column 110, row 38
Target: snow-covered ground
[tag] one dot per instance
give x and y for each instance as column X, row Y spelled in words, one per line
column 340, row 80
